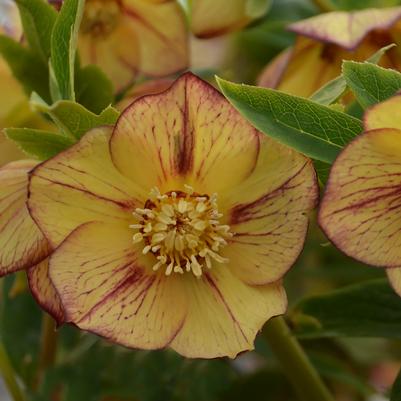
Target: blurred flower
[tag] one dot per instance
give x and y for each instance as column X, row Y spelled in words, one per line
column 360, row 211
column 23, row 246
column 11, row 94
column 127, row 37
column 175, row 227
column 211, row 18
column 324, row 41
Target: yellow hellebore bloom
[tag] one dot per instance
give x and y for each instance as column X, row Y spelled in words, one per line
column 326, row 40
column 211, row 18
column 127, row 37
column 360, row 211
column 176, row 226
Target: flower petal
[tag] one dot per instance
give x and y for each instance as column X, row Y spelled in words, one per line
column 394, row 276
column 361, row 209
column 384, row 115
column 44, row 292
column 80, row 185
column 224, row 314
column 213, row 18
column 162, row 35
column 108, row 287
column 189, row 134
column 347, row 29
column 268, row 214
column 21, row 242
column 119, row 61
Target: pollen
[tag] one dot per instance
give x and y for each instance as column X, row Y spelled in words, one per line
column 182, row 230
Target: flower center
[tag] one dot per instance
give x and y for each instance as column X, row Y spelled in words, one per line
column 182, row 230
column 100, row 17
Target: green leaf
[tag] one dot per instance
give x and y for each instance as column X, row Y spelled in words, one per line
column 74, row 119
column 38, row 143
column 38, row 18
column 396, row 390
column 63, row 46
column 310, row 128
column 370, row 309
column 257, row 8
column 334, row 89
column 330, row 92
column 369, row 83
column 27, row 67
column 93, row 89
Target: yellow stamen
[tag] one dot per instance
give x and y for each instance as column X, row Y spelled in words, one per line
column 182, row 230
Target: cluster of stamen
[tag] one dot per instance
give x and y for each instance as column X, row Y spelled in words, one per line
column 182, row 230
column 100, row 17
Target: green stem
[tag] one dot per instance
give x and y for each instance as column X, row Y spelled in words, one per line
column 297, row 367
column 48, row 345
column 9, row 376
column 325, row 5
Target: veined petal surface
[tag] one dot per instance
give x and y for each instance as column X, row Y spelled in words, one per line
column 361, row 208
column 44, row 291
column 225, row 315
column 268, row 214
column 80, row 185
column 108, row 287
column 21, row 242
column 190, row 135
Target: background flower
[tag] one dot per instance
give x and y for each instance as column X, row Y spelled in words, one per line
column 326, row 40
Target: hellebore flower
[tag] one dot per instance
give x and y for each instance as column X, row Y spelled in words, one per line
column 176, row 226
column 211, row 18
column 126, row 37
column 23, row 246
column 360, row 211
column 326, row 40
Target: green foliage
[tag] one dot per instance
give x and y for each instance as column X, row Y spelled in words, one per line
column 396, row 390
column 334, row 89
column 315, row 130
column 74, row 119
column 38, row 143
column 93, row 89
column 38, row 18
column 371, row 84
column 370, row 309
column 361, row 4
column 26, row 66
column 63, row 49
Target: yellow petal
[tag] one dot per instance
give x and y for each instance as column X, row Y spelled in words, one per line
column 148, row 37
column 213, row 17
column 44, row 292
column 272, row 74
column 107, row 286
column 224, row 314
column 189, row 134
column 80, row 185
column 112, row 54
column 360, row 211
column 384, row 115
column 394, row 276
column 347, row 29
column 268, row 214
column 21, row 243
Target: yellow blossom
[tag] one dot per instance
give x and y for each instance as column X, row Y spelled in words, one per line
column 127, row 37
column 360, row 211
column 326, row 40
column 176, row 226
